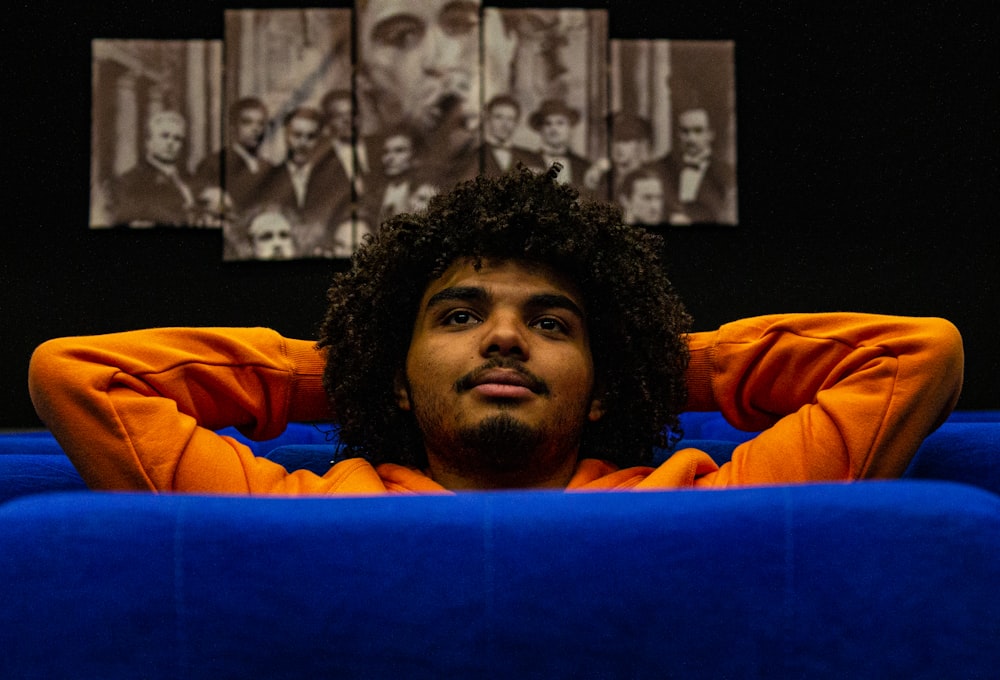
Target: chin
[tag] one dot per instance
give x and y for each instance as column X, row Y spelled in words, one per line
column 501, row 443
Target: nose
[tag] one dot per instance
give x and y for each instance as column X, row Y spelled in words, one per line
column 504, row 335
column 442, row 53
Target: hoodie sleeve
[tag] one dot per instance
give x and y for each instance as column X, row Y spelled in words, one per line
column 138, row 410
column 837, row 396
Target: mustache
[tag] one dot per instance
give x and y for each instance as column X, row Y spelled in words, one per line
column 472, row 378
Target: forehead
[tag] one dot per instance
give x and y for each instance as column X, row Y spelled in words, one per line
column 268, row 222
column 647, row 185
column 694, row 119
column 303, row 124
column 503, row 109
column 505, row 278
column 252, row 113
column 397, row 143
column 160, row 126
column 339, row 105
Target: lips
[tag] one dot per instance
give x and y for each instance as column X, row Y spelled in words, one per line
column 444, row 110
column 502, row 382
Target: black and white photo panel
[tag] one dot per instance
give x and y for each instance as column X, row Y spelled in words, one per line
column 290, row 175
column 673, row 132
column 155, row 120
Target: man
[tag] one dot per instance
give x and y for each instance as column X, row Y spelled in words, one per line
column 398, row 159
column 239, row 167
column 498, row 153
column 631, row 143
column 157, row 190
column 508, row 337
column 315, row 193
column 702, row 185
column 270, row 235
column 418, row 65
column 554, row 122
column 641, row 197
column 347, row 159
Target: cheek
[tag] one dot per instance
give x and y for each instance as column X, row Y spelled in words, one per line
column 574, row 376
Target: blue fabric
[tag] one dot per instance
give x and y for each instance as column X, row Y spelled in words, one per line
column 24, row 474
column 711, row 425
column 965, row 449
column 296, row 433
column 961, row 451
column 25, row 443
column 872, row 580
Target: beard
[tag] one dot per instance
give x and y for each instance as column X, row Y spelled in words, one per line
column 501, row 449
column 499, row 445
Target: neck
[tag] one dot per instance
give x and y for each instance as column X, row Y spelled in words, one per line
column 484, row 480
column 168, row 168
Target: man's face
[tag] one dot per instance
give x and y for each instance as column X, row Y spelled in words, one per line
column 166, row 138
column 397, row 155
column 695, row 133
column 250, row 125
column 645, row 205
column 422, row 58
column 301, row 136
column 271, row 236
column 499, row 374
column 628, row 154
column 501, row 120
column 555, row 130
column 338, row 114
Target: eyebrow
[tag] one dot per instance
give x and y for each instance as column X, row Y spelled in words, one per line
column 480, row 295
column 459, row 6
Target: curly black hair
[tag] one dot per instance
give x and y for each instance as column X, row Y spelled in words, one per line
column 637, row 323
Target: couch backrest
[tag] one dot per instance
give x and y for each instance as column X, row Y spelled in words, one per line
column 878, row 580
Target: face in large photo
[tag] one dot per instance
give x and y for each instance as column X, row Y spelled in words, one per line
column 167, row 132
column 419, row 61
column 249, row 123
column 302, row 128
column 695, row 133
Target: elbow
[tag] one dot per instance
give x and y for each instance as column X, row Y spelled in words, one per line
column 945, row 362
column 949, row 348
column 49, row 371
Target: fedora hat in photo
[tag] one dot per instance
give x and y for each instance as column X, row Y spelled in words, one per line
column 551, row 107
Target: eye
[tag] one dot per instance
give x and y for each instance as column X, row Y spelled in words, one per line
column 400, row 32
column 460, row 317
column 550, row 324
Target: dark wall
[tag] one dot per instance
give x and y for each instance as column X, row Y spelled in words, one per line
column 867, row 157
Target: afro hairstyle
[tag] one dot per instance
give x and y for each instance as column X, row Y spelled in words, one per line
column 636, row 322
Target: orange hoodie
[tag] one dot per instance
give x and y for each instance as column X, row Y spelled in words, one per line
column 839, row 396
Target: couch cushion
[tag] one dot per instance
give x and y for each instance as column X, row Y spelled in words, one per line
column 25, row 474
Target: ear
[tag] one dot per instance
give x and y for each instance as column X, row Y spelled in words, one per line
column 402, row 392
column 597, row 410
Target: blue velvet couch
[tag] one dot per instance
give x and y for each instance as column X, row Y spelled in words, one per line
column 892, row 579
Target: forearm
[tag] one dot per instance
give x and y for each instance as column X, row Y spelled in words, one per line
column 841, row 396
column 136, row 410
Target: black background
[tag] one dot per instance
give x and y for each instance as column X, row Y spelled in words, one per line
column 867, row 149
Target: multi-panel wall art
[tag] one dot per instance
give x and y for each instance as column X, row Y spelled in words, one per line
column 296, row 142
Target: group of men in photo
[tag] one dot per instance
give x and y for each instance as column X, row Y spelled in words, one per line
column 328, row 190
column 411, row 125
